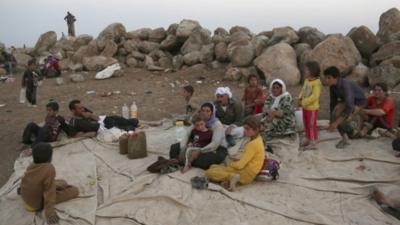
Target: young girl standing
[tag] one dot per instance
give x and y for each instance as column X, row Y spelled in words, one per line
column 309, row 101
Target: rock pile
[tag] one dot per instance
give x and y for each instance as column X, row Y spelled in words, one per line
column 280, row 53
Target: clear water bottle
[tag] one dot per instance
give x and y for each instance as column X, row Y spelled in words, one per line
column 134, row 110
column 179, row 131
column 125, row 111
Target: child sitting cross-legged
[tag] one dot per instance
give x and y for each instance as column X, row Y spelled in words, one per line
column 245, row 169
column 199, row 137
column 39, row 188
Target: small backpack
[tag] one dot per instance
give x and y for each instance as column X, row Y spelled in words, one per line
column 269, row 171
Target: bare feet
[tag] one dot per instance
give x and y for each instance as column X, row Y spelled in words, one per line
column 310, row 147
column 233, row 181
column 304, row 143
column 185, row 169
column 380, row 197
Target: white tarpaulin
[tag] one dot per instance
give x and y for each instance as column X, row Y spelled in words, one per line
column 327, row 186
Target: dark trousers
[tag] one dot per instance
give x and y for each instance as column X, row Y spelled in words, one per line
column 205, row 160
column 34, row 134
column 120, row 122
column 31, row 95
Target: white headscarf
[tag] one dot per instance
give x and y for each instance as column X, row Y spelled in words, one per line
column 277, row 99
column 224, row 91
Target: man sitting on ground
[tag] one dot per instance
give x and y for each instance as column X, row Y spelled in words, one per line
column 85, row 123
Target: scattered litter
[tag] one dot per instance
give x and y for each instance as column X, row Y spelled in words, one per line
column 2, row 105
column 132, row 93
column 148, row 92
column 108, row 72
column 116, row 92
column 199, row 82
column 91, row 92
column 172, row 85
column 106, row 94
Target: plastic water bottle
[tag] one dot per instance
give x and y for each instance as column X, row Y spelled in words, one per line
column 125, row 111
column 179, row 131
column 134, row 110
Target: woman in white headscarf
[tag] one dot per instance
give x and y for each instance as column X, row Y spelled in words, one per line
column 279, row 117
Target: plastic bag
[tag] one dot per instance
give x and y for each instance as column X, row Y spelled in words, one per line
column 107, row 72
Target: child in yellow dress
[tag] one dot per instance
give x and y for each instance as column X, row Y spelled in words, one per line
column 246, row 169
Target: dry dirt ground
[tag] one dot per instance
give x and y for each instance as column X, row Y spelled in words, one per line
column 158, row 95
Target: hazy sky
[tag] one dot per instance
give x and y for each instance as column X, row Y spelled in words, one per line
column 22, row 21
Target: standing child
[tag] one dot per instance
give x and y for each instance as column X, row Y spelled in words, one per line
column 253, row 97
column 309, row 101
column 30, row 81
column 199, row 137
column 246, row 169
column 190, row 108
column 39, row 188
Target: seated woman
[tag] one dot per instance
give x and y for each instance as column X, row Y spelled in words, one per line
column 213, row 153
column 379, row 112
column 230, row 113
column 246, row 169
column 279, row 118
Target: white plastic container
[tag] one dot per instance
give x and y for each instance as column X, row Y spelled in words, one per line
column 134, row 110
column 299, row 120
column 125, row 111
column 179, row 131
column 22, row 95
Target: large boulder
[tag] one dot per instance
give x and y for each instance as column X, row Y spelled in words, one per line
column 131, row 45
column 157, row 35
column 185, row 28
column 207, row 53
column 2, row 47
column 110, row 49
column 284, row 34
column 235, row 29
column 241, row 51
column 131, row 62
column 196, row 40
column 359, row 75
column 165, row 62
column 66, row 44
column 300, row 48
column 395, row 61
column 279, row 61
column 220, row 35
column 221, row 52
column 22, row 59
column 137, row 55
column 192, row 58
column 170, row 43
column 389, row 24
column 82, row 40
column 172, row 29
column 114, row 31
column 384, row 73
column 385, row 52
column 86, row 51
column 311, row 36
column 147, row 46
column 177, row 61
column 45, row 42
column 3, row 72
column 336, row 50
column 365, row 41
column 97, row 63
column 260, row 43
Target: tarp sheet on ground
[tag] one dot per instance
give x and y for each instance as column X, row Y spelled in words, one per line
column 328, row 186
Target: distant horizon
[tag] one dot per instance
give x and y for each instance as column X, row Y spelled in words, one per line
column 28, row 20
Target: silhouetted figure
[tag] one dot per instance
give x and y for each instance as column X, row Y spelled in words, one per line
column 70, row 22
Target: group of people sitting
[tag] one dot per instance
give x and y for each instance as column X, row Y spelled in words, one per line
column 261, row 116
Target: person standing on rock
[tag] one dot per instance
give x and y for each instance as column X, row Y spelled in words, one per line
column 70, row 22
column 346, row 101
